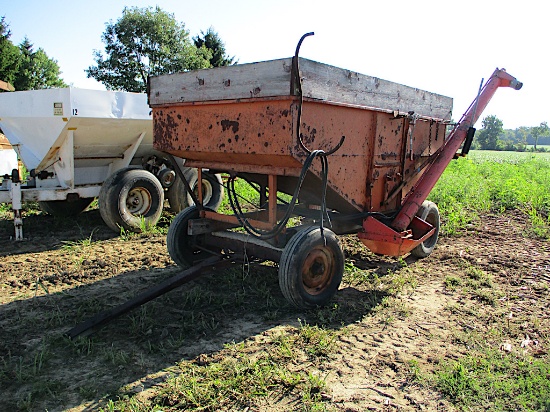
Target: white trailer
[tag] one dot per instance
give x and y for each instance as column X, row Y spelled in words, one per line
column 80, row 144
column 8, row 156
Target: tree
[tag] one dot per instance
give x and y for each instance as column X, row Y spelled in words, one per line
column 36, row 70
column 25, row 68
column 212, row 41
column 488, row 135
column 538, row 131
column 9, row 54
column 144, row 42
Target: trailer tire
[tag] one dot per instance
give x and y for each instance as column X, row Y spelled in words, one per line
column 310, row 269
column 430, row 213
column 212, row 187
column 66, row 207
column 129, row 196
column 181, row 246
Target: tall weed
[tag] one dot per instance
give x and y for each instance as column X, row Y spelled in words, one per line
column 469, row 188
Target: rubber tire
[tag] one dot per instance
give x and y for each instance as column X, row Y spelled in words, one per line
column 213, row 191
column 179, row 243
column 113, row 198
column 62, row 208
column 303, row 245
column 430, row 213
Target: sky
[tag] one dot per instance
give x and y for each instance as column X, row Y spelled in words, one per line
column 442, row 46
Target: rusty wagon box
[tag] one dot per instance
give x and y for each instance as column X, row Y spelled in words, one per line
column 381, row 147
column 243, row 118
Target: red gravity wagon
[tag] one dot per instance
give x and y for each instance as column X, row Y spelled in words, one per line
column 330, row 152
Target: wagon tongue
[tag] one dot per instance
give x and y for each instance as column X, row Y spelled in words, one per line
column 92, row 324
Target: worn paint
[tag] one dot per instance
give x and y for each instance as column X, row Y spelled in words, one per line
column 260, row 133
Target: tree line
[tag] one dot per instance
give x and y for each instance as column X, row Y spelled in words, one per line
column 493, row 137
column 26, row 68
column 142, row 42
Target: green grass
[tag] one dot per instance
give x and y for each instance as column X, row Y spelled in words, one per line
column 248, row 197
column 29, row 209
column 494, row 183
column 235, row 378
column 146, row 229
column 492, row 380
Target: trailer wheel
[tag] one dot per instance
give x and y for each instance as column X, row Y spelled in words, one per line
column 430, row 213
column 130, row 198
column 310, row 269
column 212, row 189
column 65, row 207
column 182, row 247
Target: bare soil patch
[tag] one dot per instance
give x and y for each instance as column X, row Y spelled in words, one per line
column 491, row 277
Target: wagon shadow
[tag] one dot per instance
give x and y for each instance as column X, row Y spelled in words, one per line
column 44, row 232
column 200, row 317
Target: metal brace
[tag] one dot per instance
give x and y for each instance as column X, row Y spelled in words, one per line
column 412, row 121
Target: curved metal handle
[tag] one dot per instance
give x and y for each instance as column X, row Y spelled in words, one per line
column 300, row 42
column 298, row 83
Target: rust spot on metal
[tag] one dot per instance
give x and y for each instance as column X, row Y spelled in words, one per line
column 201, row 81
column 230, row 124
column 163, row 128
column 255, row 92
column 227, row 82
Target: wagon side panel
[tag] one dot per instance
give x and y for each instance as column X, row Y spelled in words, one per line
column 251, row 133
column 322, row 127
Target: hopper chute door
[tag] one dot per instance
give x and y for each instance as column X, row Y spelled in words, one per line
column 387, row 166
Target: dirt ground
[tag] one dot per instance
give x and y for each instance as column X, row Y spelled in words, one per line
column 65, row 272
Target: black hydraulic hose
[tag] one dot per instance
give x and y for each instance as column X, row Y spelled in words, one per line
column 311, row 155
column 237, row 210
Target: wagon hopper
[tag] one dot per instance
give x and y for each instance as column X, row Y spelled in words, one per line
column 358, row 154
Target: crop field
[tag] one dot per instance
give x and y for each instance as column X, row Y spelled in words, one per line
column 466, row 329
column 507, row 157
column 494, row 182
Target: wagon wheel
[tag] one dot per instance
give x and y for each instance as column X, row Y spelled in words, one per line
column 212, row 191
column 183, row 248
column 429, row 213
column 130, row 198
column 311, row 267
